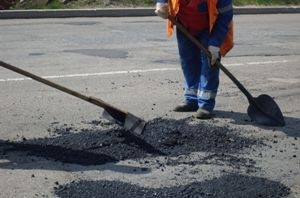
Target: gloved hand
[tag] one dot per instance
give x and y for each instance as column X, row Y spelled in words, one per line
column 162, row 10
column 215, row 55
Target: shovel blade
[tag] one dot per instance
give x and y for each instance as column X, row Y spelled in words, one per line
column 129, row 121
column 134, row 124
column 264, row 110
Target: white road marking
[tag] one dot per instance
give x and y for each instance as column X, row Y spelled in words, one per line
column 284, row 80
column 145, row 71
column 235, row 64
column 268, row 62
column 261, row 62
column 92, row 74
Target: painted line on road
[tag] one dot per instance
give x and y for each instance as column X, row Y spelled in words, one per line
column 285, row 80
column 139, row 71
column 262, row 63
column 92, row 74
column 269, row 62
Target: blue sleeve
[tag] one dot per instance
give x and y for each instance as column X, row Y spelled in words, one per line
column 220, row 29
column 161, row 1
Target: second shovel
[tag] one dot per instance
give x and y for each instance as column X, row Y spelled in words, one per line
column 129, row 121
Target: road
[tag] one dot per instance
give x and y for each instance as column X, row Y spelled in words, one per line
column 130, row 63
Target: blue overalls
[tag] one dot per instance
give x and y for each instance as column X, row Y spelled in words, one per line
column 201, row 82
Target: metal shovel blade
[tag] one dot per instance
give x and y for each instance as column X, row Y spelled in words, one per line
column 264, row 110
column 135, row 124
column 130, row 122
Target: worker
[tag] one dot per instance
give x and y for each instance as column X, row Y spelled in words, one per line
column 210, row 21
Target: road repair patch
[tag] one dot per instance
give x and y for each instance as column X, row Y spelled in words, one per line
column 168, row 139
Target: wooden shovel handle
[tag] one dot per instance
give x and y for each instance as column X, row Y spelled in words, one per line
column 93, row 100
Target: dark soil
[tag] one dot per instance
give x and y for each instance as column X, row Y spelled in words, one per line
column 232, row 185
column 103, row 142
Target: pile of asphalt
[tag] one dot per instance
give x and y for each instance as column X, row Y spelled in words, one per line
column 103, row 142
column 110, row 143
column 231, row 185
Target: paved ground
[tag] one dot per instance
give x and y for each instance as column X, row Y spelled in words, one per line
column 131, row 64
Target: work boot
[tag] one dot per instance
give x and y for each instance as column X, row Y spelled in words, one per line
column 203, row 114
column 186, row 107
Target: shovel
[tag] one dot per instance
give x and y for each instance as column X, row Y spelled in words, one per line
column 262, row 109
column 125, row 119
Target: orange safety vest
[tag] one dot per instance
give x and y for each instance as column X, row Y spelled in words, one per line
column 191, row 17
column 227, row 45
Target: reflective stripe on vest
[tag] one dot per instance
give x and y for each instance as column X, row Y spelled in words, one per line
column 225, row 9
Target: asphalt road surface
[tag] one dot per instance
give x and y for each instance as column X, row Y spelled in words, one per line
column 130, row 63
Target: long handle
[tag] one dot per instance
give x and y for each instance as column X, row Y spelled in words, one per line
column 218, row 63
column 90, row 99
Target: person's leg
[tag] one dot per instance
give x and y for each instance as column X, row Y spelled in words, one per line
column 190, row 60
column 208, row 83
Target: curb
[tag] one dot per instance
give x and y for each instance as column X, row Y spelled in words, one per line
column 267, row 10
column 125, row 12
column 65, row 13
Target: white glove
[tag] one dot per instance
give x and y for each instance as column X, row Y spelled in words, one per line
column 215, row 54
column 162, row 10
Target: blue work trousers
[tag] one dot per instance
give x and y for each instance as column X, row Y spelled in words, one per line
column 201, row 82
